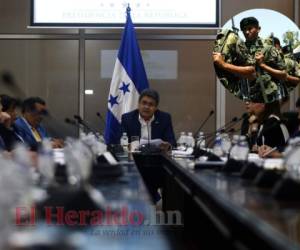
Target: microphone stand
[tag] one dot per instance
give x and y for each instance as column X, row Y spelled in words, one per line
column 72, row 122
column 204, row 122
column 148, row 130
column 149, row 149
column 101, row 118
column 84, row 124
column 226, row 127
column 221, row 129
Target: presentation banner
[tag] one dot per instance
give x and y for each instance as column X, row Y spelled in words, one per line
column 188, row 13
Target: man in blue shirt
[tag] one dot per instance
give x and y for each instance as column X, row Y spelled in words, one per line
column 29, row 125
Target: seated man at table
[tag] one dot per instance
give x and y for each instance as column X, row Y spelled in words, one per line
column 148, row 122
column 4, row 121
column 29, row 125
column 7, row 131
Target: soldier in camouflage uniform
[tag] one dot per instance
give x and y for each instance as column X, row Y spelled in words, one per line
column 293, row 71
column 270, row 66
column 292, row 66
column 233, row 64
column 230, row 50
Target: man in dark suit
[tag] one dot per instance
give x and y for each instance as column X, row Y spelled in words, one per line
column 8, row 132
column 4, row 122
column 147, row 122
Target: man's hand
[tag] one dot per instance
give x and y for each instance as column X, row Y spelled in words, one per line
column 265, row 151
column 165, row 146
column 254, row 148
column 218, row 58
column 57, row 143
column 259, row 57
column 276, row 73
column 5, row 119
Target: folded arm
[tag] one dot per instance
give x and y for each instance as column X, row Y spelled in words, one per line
column 242, row 71
column 276, row 73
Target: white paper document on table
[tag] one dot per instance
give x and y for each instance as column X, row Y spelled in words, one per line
column 179, row 153
column 154, row 142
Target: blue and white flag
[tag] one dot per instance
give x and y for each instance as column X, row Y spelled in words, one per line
column 128, row 80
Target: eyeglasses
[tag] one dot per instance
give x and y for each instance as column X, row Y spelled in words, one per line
column 43, row 112
column 150, row 104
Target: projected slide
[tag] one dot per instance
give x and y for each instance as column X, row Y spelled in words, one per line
column 187, row 13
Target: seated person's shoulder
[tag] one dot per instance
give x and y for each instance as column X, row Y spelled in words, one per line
column 18, row 120
column 164, row 114
column 273, row 120
column 18, row 123
column 129, row 114
column 19, row 126
column 272, row 125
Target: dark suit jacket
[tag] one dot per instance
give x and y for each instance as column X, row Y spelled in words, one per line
column 9, row 137
column 272, row 133
column 161, row 127
column 2, row 145
column 24, row 131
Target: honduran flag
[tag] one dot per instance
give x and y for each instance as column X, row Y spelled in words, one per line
column 128, row 80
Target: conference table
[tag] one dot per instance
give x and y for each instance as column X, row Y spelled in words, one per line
column 208, row 209
column 125, row 194
column 222, row 210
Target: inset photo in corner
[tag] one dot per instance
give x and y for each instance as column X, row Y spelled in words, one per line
column 256, row 56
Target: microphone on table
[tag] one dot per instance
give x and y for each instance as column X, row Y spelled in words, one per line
column 85, row 124
column 101, row 118
column 103, row 121
column 8, row 79
column 72, row 122
column 229, row 125
column 242, row 117
column 204, row 122
column 219, row 130
column 149, row 148
column 114, row 133
column 148, row 130
column 223, row 128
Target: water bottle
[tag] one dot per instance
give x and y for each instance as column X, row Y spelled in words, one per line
column 217, row 149
column 226, row 143
column 291, row 145
column 46, row 163
column 233, row 152
column 292, row 161
column 201, row 143
column 124, row 142
column 190, row 141
column 243, row 148
column 181, row 140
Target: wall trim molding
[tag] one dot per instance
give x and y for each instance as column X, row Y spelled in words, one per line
column 220, row 104
column 114, row 36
